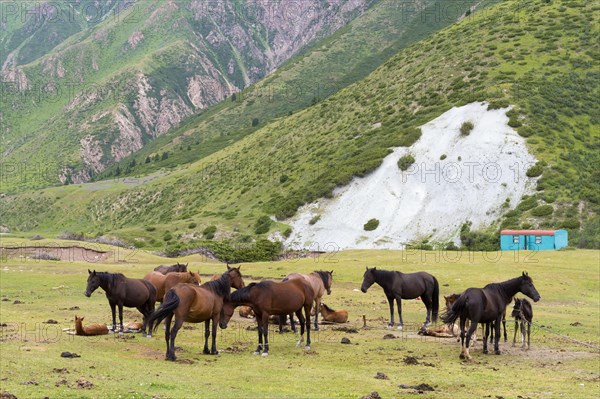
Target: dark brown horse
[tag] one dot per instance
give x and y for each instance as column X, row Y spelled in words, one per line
column 486, row 305
column 398, row 286
column 122, row 291
column 523, row 314
column 271, row 298
column 176, row 268
column 196, row 304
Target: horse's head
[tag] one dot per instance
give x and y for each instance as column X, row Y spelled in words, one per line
column 450, row 299
column 226, row 313
column 516, row 312
column 195, row 278
column 181, row 268
column 93, row 282
column 528, row 288
column 236, row 277
column 329, row 282
column 368, row 279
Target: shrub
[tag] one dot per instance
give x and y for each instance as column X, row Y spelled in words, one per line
column 192, row 225
column 405, row 161
column 283, row 178
column 167, row 236
column 255, row 122
column 535, row 170
column 314, row 220
column 287, row 232
column 150, row 228
column 262, row 225
column 542, row 210
column 466, row 128
column 209, row 232
column 443, row 157
column 371, row 225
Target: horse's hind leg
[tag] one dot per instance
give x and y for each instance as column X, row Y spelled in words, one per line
column 528, row 334
column 391, row 303
column 206, row 334
column 307, row 312
column 302, row 322
column 399, row 302
column 427, row 301
column 317, row 308
column 215, row 321
column 174, row 330
column 504, row 325
column 465, row 354
column 121, row 328
column 168, row 334
column 497, row 337
column 486, row 332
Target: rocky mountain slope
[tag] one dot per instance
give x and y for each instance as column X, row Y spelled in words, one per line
column 538, row 57
column 98, row 89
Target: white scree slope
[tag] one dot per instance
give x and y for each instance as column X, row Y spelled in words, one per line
column 434, row 197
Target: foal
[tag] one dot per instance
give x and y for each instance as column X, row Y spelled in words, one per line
column 523, row 314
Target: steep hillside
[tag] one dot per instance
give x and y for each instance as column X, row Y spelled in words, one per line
column 103, row 91
column 537, row 56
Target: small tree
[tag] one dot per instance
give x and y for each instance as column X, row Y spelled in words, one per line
column 466, row 128
column 405, row 161
column 371, row 225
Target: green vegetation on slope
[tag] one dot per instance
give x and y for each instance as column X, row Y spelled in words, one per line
column 535, row 55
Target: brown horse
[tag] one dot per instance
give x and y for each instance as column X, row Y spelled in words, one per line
column 320, row 281
column 246, row 312
column 164, row 282
column 92, row 329
column 122, row 291
column 271, row 298
column 196, row 304
column 333, row 316
column 176, row 268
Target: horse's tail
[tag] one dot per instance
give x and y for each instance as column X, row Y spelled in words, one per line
column 170, row 303
column 455, row 311
column 435, row 298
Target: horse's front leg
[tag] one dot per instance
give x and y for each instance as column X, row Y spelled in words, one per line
column 259, row 317
column 399, row 302
column 391, row 303
column 317, row 310
column 113, row 309
column 528, row 334
column 215, row 321
column 497, row 337
column 486, row 331
column 515, row 335
column 206, row 334
column 121, row 328
column 265, row 331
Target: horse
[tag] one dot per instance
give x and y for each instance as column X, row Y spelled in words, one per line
column 122, row 291
column 176, row 268
column 271, row 298
column 523, row 314
column 196, row 304
column 320, row 281
column 486, row 305
column 246, row 312
column 92, row 329
column 333, row 316
column 164, row 282
column 398, row 286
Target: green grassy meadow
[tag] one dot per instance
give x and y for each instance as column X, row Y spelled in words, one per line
column 134, row 367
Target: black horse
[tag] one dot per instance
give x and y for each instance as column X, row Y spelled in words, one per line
column 523, row 314
column 486, row 305
column 122, row 291
column 398, row 286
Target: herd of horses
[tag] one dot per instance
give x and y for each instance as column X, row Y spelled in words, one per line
column 185, row 299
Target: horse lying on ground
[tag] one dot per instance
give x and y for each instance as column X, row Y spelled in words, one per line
column 164, row 282
column 246, row 312
column 92, row 329
column 398, row 286
column 176, row 268
column 486, row 305
column 523, row 314
column 196, row 304
column 333, row 316
column 122, row 291
column 271, row 298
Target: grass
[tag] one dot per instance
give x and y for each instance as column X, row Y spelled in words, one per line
column 554, row 367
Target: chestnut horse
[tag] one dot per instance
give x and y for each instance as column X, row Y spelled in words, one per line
column 333, row 316
column 164, row 282
column 486, row 305
column 176, row 268
column 196, row 304
column 398, row 286
column 271, row 298
column 320, row 281
column 92, row 329
column 122, row 291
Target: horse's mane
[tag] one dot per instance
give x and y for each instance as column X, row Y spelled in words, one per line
column 502, row 286
column 388, row 274
column 324, row 276
column 220, row 286
column 327, row 307
column 111, row 278
column 243, row 294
